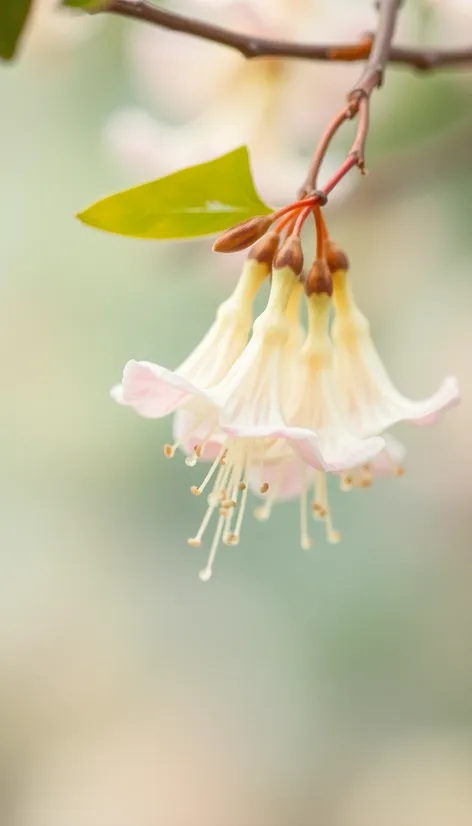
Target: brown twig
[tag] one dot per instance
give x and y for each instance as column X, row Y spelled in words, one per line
column 423, row 60
column 373, row 72
column 321, row 149
column 372, row 76
column 358, row 102
column 358, row 147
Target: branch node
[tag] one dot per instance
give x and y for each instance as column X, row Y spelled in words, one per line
column 321, row 196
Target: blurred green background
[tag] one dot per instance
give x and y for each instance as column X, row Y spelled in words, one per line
column 327, row 687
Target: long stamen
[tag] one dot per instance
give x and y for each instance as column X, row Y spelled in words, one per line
column 233, row 539
column 305, row 539
column 318, row 504
column 213, row 503
column 235, row 488
column 197, row 490
column 321, row 508
column 196, row 540
column 206, row 573
column 332, row 535
column 219, row 492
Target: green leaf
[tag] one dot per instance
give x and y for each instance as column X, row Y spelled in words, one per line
column 87, row 5
column 199, row 200
column 13, row 15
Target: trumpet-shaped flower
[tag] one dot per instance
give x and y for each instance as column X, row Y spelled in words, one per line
column 154, row 391
column 370, row 402
column 260, row 437
column 239, row 421
column 314, row 403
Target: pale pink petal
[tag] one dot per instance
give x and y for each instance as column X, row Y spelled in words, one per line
column 430, row 410
column 286, row 479
column 317, row 453
column 152, row 390
column 312, row 447
column 196, row 423
column 388, row 459
column 371, row 401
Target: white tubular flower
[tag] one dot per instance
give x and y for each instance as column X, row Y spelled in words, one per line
column 251, row 402
column 370, row 401
column 314, row 403
column 154, row 391
column 249, row 405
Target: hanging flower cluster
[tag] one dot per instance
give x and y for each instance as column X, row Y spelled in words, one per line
column 271, row 407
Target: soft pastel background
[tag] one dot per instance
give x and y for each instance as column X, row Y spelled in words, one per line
column 329, row 687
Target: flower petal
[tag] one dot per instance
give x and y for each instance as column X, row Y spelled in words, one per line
column 391, row 457
column 317, row 453
column 152, row 390
column 431, row 409
column 286, row 479
column 196, row 424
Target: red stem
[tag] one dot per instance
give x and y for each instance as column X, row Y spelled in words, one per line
column 301, row 220
column 294, row 206
column 320, row 232
column 350, row 161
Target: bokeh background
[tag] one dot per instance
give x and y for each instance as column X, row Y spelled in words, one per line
column 325, row 687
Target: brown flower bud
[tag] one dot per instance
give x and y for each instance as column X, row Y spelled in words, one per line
column 318, row 279
column 290, row 255
column 264, row 250
column 242, row 235
column 335, row 257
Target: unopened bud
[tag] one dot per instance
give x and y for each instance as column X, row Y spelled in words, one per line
column 290, row 255
column 242, row 235
column 318, row 280
column 264, row 250
column 335, row 257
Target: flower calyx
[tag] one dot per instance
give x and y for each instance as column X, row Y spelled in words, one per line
column 336, row 258
column 290, row 255
column 265, row 249
column 318, row 280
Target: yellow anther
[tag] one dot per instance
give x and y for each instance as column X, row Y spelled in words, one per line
column 319, row 511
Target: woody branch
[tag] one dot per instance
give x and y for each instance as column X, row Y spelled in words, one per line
column 422, row 60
